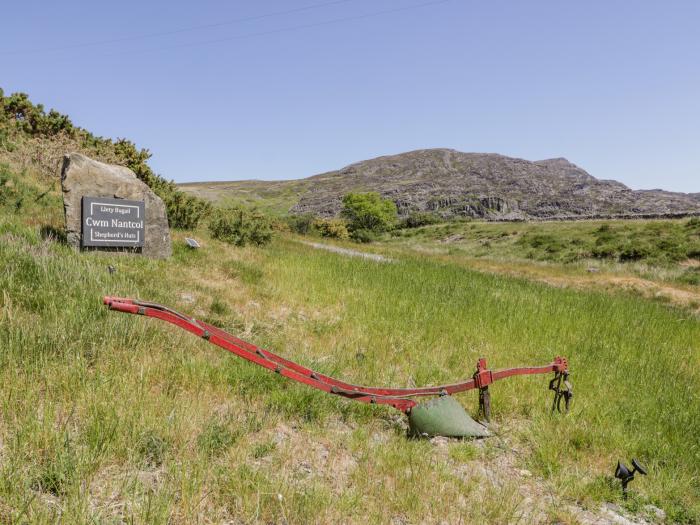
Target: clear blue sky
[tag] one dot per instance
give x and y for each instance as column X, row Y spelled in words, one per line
column 614, row 86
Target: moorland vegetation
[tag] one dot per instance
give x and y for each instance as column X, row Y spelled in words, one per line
column 106, row 417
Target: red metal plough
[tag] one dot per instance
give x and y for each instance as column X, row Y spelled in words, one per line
column 399, row 398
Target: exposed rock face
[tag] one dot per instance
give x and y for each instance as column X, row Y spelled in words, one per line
column 83, row 176
column 451, row 183
column 489, row 186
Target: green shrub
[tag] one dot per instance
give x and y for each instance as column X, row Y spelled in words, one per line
column 32, row 118
column 184, row 211
column 331, row 228
column 5, row 141
column 363, row 236
column 603, row 234
column 671, row 249
column 302, row 224
column 635, row 252
column 368, row 211
column 216, row 438
column 690, row 276
column 218, row 307
column 6, row 190
column 418, row 219
column 693, row 224
column 543, row 244
column 240, row 227
column 548, row 243
column 58, row 469
column 604, row 251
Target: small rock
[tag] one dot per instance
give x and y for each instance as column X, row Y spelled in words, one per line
column 187, row 298
column 376, row 437
column 593, row 269
column 614, row 514
column 452, row 238
column 613, row 507
column 322, row 453
column 282, row 433
column 305, row 468
column 525, row 473
column 439, row 441
column 658, row 513
column 150, row 478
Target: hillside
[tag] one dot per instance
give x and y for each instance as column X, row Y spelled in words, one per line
column 453, row 183
column 108, row 418
column 33, row 141
column 276, row 197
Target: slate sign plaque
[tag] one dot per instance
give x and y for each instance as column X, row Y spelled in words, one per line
column 113, row 222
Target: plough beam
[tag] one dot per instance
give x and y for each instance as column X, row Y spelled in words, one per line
column 399, row 398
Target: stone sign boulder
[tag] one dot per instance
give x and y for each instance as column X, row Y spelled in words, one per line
column 84, row 177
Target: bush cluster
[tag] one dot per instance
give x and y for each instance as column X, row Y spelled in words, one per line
column 653, row 242
column 363, row 218
column 302, row 224
column 690, row 276
column 368, row 211
column 331, row 228
column 309, row 224
column 184, row 211
column 239, row 227
column 418, row 219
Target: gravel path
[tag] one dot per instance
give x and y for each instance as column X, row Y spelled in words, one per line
column 347, row 252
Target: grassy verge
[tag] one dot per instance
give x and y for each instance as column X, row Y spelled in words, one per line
column 665, row 251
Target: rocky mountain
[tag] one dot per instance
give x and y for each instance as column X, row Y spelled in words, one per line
column 484, row 185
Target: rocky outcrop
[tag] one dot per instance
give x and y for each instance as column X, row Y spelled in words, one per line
column 488, row 186
column 83, row 176
column 451, row 183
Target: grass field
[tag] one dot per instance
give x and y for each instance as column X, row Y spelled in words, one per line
column 654, row 243
column 107, row 417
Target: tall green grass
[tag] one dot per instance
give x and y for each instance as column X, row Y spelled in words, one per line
column 108, row 417
column 654, row 242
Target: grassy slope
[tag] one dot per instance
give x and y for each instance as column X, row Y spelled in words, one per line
column 272, row 197
column 654, row 249
column 105, row 415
